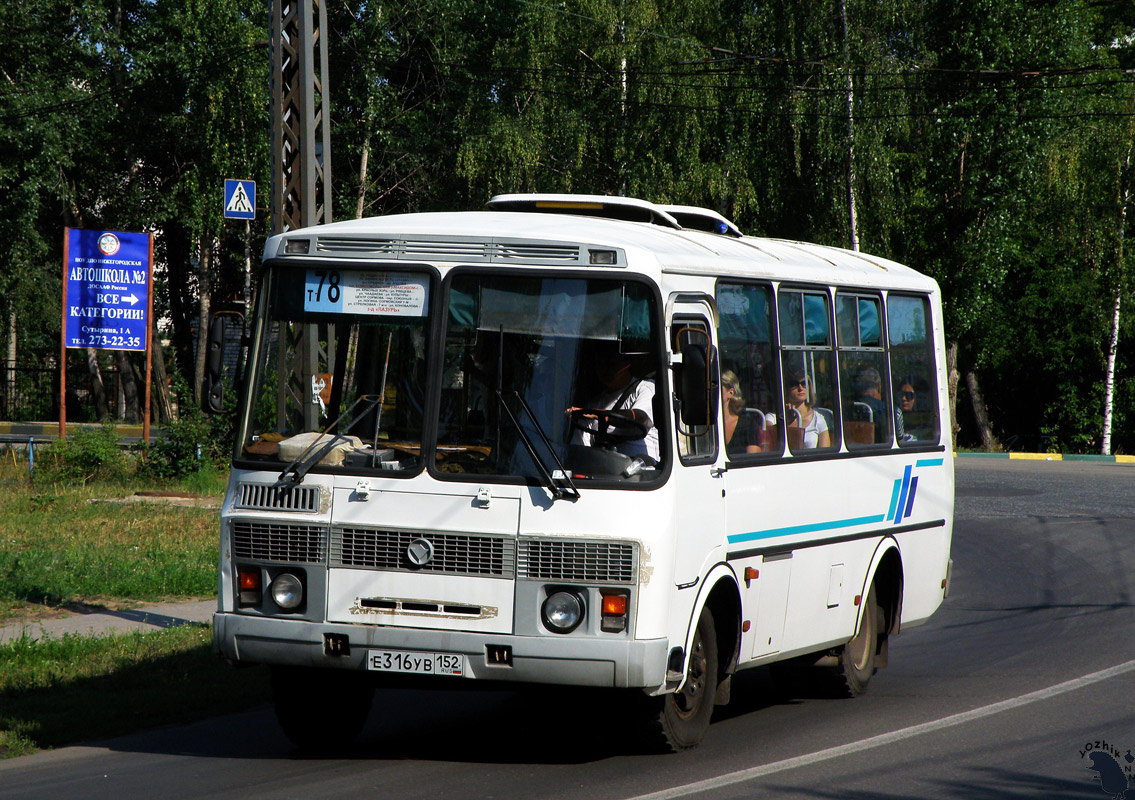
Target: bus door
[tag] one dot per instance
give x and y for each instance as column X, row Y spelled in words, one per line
column 700, row 513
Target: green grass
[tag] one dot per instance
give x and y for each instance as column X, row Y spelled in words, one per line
column 59, row 691
column 61, row 545
column 62, row 542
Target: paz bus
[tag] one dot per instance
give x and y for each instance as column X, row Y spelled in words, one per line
column 579, row 441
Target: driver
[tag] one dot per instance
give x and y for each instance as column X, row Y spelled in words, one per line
column 624, row 393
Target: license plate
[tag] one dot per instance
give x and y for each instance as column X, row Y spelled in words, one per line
column 416, row 663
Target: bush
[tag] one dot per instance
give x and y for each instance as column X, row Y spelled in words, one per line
column 90, row 454
column 192, row 443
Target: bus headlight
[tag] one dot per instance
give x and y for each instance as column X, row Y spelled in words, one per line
column 287, row 591
column 562, row 612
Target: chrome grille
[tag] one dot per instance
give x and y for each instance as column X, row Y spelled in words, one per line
column 453, row 553
column 276, row 541
column 270, row 497
column 575, row 560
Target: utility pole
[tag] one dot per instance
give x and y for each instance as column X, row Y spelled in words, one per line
column 301, row 173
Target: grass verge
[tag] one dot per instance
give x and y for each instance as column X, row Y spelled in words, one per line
column 61, row 545
column 61, row 691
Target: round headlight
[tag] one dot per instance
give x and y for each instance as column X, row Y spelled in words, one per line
column 563, row 611
column 287, row 590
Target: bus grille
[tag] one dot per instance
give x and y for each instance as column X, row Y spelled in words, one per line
column 573, row 560
column 275, row 541
column 453, row 553
column 270, row 497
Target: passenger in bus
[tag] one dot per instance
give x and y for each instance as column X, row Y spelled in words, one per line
column 744, row 429
column 911, row 417
column 801, row 416
column 904, row 405
column 869, row 393
column 622, row 391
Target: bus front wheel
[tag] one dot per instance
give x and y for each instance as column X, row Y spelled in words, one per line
column 682, row 717
column 320, row 710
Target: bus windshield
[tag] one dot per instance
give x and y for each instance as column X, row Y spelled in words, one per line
column 340, row 373
column 550, row 376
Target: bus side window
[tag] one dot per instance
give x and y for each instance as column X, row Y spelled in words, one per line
column 807, row 366
column 912, row 370
column 749, row 384
column 862, row 371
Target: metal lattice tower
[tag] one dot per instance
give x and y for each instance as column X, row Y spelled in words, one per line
column 301, row 172
column 301, row 130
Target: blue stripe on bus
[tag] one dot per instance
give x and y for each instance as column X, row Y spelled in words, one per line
column 811, row 528
column 902, row 494
column 910, row 498
column 928, row 462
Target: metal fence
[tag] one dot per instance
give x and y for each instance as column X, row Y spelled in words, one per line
column 31, row 394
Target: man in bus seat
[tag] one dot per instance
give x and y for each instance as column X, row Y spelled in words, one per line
column 869, row 392
column 622, row 392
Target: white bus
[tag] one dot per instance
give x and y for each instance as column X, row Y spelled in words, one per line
column 585, row 441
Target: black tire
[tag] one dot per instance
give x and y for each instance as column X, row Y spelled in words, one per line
column 855, row 661
column 682, row 718
column 320, row 710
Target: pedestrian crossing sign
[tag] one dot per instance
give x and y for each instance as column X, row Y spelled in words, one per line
column 240, row 199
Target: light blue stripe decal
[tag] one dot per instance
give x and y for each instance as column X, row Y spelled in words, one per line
column 928, row 462
column 894, row 499
column 812, row 528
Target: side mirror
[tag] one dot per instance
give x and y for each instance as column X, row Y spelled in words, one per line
column 213, row 388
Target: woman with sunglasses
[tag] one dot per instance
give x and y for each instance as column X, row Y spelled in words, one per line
column 800, row 414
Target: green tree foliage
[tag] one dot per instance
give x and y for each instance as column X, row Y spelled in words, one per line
column 982, row 142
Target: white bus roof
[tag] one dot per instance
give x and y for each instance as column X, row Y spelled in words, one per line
column 564, row 239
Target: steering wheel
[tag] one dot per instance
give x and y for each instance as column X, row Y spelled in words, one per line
column 614, row 427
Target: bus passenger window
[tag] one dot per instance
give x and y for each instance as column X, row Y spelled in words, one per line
column 807, row 366
column 862, row 371
column 749, row 386
column 912, row 370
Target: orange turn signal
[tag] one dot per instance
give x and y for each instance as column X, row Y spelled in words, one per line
column 249, row 580
column 614, row 605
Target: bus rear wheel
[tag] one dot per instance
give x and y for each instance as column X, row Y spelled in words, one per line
column 682, row 718
column 320, row 710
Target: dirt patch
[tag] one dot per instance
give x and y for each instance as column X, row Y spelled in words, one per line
column 163, row 498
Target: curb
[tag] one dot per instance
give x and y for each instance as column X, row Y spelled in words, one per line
column 1051, row 457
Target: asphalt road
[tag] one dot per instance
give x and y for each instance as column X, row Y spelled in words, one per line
column 1029, row 662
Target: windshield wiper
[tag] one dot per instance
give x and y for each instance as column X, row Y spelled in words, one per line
column 303, row 463
column 559, row 483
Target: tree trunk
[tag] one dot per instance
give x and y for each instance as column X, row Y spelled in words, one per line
column 98, row 388
column 952, row 377
column 852, row 223
column 129, row 388
column 160, row 401
column 980, row 413
column 204, row 281
column 7, row 391
column 363, row 157
column 1120, row 289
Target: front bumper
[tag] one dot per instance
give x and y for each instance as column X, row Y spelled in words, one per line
column 535, row 659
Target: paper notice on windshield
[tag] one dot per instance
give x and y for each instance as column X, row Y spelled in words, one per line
column 387, row 294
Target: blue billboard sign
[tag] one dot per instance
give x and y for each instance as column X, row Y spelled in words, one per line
column 106, row 280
